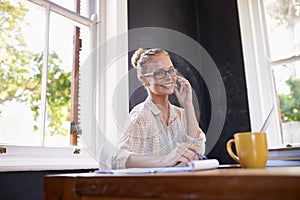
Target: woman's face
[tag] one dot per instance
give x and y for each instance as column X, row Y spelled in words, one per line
column 156, row 83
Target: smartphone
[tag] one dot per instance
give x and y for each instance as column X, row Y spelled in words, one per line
column 178, row 85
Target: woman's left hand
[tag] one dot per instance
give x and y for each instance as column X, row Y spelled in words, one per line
column 184, row 93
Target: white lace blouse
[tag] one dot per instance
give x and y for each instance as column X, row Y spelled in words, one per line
column 147, row 134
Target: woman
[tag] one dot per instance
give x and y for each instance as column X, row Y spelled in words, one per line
column 160, row 134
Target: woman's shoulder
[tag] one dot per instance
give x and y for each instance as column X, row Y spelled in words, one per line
column 137, row 111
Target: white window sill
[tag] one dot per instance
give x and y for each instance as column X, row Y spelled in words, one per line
column 19, row 158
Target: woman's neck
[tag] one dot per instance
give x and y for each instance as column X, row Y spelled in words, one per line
column 161, row 101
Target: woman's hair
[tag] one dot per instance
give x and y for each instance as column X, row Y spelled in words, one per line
column 143, row 56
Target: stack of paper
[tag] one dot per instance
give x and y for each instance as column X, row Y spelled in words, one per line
column 193, row 166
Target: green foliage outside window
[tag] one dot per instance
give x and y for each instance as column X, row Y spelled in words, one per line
column 21, row 71
column 290, row 104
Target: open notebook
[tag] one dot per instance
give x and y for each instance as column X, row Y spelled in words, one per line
column 193, row 166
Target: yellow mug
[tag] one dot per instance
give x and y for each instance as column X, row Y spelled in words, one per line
column 251, row 148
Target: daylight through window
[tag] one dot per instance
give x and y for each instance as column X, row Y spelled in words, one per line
column 36, row 69
column 283, row 31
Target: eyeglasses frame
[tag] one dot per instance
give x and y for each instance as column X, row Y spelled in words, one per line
column 168, row 71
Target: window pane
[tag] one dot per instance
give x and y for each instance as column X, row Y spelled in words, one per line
column 22, row 40
column 287, row 79
column 61, row 61
column 283, row 24
column 66, row 4
column 70, row 5
column 21, row 46
column 57, row 127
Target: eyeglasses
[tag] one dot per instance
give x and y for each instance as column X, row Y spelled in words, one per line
column 162, row 73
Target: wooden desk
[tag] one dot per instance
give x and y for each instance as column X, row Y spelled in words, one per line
column 235, row 183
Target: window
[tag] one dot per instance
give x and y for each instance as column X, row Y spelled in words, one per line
column 100, row 67
column 270, row 38
column 283, row 30
column 38, row 69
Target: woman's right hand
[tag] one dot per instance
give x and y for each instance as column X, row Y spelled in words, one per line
column 183, row 153
column 184, row 94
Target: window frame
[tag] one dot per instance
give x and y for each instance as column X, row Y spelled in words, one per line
column 258, row 70
column 27, row 158
column 110, row 19
column 79, row 21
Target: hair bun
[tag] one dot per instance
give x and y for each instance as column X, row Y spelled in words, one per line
column 136, row 56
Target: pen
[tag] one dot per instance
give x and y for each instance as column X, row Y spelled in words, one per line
column 198, row 154
column 201, row 156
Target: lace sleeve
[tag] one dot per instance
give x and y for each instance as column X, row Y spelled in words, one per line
column 200, row 140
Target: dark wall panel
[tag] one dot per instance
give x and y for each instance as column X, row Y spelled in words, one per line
column 27, row 185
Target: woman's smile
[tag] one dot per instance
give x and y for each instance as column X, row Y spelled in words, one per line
column 167, row 85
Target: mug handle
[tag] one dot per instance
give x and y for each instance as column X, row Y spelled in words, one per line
column 229, row 150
